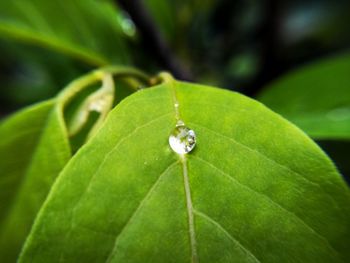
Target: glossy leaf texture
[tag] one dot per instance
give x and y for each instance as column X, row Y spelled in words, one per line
column 90, row 31
column 315, row 97
column 33, row 150
column 254, row 189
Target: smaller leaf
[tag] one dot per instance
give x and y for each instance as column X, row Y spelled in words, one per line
column 89, row 32
column 315, row 97
column 34, row 149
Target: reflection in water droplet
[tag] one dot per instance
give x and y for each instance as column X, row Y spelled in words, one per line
column 182, row 140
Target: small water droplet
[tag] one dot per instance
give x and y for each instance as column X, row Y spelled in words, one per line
column 182, row 140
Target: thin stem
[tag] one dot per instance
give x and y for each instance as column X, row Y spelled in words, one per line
column 163, row 77
column 83, row 82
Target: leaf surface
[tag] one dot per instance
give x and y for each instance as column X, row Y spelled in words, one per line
column 315, row 97
column 38, row 142
column 33, row 151
column 90, row 30
column 255, row 188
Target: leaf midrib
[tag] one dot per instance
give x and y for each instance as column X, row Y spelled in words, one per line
column 190, row 213
column 187, row 188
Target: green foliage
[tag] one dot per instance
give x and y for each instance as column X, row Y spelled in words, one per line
column 46, row 44
column 254, row 189
column 90, row 30
column 35, row 150
column 88, row 176
column 315, row 97
column 38, row 143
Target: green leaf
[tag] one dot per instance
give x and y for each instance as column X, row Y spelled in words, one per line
column 39, row 141
column 315, row 97
column 254, row 189
column 90, row 30
column 33, row 150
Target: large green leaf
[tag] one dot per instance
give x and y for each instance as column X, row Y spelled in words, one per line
column 33, row 150
column 88, row 30
column 315, row 97
column 255, row 188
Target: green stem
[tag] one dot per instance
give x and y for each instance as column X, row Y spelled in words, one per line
column 95, row 76
column 163, row 77
column 100, row 101
column 123, row 72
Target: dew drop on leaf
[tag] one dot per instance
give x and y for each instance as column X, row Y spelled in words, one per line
column 182, row 140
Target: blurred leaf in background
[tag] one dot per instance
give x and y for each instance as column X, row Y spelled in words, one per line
column 28, row 171
column 316, row 97
column 45, row 44
column 89, row 30
column 242, row 45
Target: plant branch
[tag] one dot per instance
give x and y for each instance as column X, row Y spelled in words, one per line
column 152, row 38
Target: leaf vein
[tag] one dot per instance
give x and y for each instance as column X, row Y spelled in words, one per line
column 271, row 201
column 234, row 240
column 136, row 212
column 267, row 158
column 87, row 189
column 112, row 150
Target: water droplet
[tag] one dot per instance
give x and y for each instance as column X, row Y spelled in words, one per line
column 182, row 140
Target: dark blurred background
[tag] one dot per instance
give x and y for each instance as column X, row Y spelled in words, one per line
column 238, row 45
